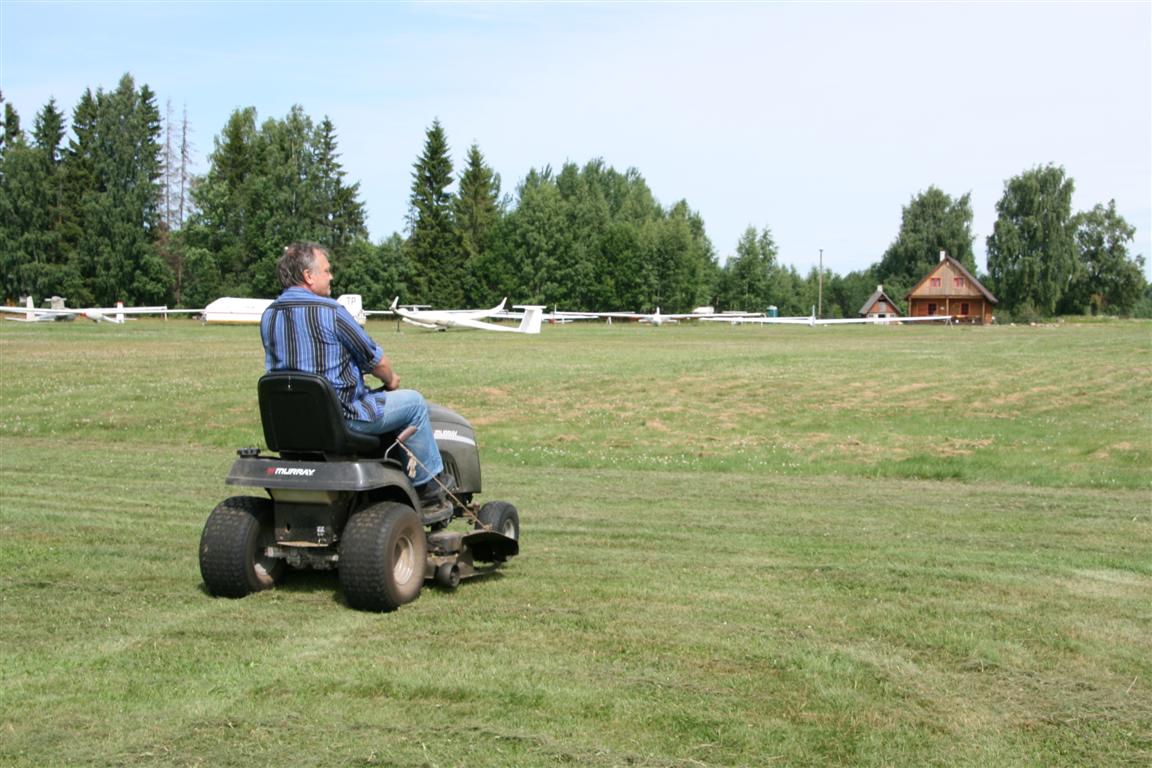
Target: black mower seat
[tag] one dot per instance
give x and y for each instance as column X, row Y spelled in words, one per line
column 301, row 414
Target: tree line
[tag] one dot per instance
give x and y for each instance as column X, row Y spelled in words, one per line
column 113, row 213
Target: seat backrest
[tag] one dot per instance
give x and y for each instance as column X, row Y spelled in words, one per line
column 302, row 414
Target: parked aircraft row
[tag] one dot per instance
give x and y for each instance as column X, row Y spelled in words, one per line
column 658, row 318
column 57, row 311
column 531, row 316
column 230, row 309
column 812, row 320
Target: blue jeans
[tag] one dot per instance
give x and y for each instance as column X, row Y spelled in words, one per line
column 402, row 408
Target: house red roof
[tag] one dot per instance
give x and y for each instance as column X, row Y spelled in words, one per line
column 957, row 265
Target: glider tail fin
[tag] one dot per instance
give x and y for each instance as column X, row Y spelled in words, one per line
column 530, row 323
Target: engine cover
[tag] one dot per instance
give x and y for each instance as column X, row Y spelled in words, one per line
column 457, row 443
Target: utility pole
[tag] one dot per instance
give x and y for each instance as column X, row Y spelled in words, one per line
column 820, row 289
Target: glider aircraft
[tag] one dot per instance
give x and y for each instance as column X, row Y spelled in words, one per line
column 443, row 319
column 652, row 319
column 657, row 318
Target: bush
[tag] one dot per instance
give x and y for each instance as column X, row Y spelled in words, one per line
column 1023, row 314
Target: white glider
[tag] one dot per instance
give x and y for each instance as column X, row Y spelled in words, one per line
column 443, row 319
column 657, row 318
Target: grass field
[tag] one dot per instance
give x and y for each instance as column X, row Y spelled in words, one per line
column 741, row 547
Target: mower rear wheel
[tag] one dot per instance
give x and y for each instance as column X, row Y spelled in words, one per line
column 382, row 557
column 232, row 560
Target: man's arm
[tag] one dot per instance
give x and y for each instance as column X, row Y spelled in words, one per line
column 363, row 349
column 384, row 372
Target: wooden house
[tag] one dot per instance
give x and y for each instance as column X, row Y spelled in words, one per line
column 879, row 305
column 950, row 289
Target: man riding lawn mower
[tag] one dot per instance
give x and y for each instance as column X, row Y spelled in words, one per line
column 367, row 481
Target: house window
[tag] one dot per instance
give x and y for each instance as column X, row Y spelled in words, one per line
column 935, row 282
column 964, row 308
column 931, row 309
column 958, row 282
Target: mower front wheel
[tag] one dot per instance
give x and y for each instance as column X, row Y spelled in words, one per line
column 382, row 557
column 448, row 575
column 501, row 517
column 232, row 562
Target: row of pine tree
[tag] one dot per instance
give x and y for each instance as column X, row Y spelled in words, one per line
column 106, row 209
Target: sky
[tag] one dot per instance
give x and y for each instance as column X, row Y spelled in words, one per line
column 817, row 121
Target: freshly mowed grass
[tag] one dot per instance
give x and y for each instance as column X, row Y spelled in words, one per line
column 742, row 546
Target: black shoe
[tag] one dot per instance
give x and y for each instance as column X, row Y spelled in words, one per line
column 445, row 481
column 434, row 503
column 431, row 492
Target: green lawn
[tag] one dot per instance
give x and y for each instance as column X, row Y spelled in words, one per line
column 913, row 546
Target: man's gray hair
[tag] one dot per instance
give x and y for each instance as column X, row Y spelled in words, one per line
column 298, row 257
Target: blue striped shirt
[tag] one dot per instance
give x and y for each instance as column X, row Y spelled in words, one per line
column 305, row 332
